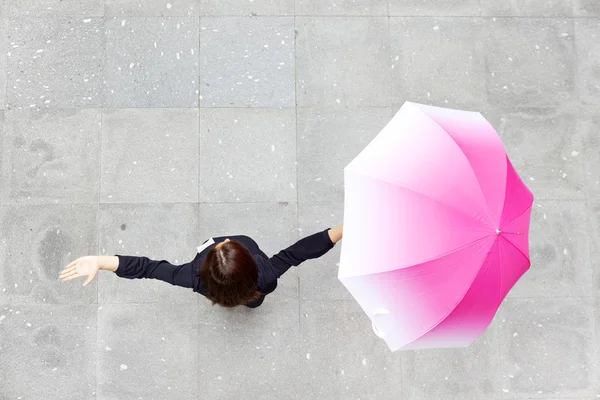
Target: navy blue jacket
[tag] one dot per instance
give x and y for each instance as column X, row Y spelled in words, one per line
column 269, row 269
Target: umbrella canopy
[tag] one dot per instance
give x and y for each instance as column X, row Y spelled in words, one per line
column 436, row 224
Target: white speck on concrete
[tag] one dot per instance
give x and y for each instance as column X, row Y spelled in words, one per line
column 308, row 356
column 574, row 153
column 169, row 5
column 123, row 367
column 436, row 28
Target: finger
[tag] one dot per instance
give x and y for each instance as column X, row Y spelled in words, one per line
column 66, row 270
column 72, row 263
column 70, row 278
column 88, row 280
column 69, row 273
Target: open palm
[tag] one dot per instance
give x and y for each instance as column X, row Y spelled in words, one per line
column 83, row 266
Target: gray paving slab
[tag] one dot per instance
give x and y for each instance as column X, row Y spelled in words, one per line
column 258, row 351
column 55, row 62
column 328, row 139
column 246, row 8
column 587, row 8
column 588, row 124
column 151, row 62
column 438, row 61
column 54, row 8
column 559, row 250
column 546, row 146
column 530, row 62
column 343, row 7
column 587, row 39
column 1, row 140
column 549, row 348
column 152, row 8
column 458, row 8
column 149, row 156
column 157, row 231
column 232, row 139
column 341, row 358
column 164, row 364
column 331, row 67
column 594, row 213
column 37, row 242
column 49, row 351
column 247, row 62
column 51, row 156
column 528, row 8
column 3, row 57
column 471, row 373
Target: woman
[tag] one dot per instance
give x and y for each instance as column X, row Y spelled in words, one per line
column 229, row 272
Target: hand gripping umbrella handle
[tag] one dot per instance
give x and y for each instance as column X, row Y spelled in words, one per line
column 378, row 311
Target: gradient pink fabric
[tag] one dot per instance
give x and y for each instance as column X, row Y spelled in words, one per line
column 436, row 225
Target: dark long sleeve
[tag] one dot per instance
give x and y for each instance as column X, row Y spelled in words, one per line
column 310, row 247
column 131, row 267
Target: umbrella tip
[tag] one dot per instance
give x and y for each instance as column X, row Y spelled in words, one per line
column 498, row 231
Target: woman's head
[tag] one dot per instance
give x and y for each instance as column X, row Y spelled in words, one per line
column 230, row 274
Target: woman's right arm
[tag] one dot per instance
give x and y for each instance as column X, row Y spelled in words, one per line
column 108, row 263
column 130, row 267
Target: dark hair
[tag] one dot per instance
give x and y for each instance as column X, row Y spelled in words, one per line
column 230, row 275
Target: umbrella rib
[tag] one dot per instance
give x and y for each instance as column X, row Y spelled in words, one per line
column 420, row 194
column 499, row 277
column 468, row 162
column 453, row 308
column 519, row 216
column 513, row 245
column 434, row 258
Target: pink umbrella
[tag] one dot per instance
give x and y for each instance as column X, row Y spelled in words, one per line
column 436, row 224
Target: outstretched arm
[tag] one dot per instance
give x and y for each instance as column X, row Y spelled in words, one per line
column 142, row 267
column 131, row 268
column 310, row 247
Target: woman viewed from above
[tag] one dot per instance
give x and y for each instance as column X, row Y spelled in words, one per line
column 229, row 271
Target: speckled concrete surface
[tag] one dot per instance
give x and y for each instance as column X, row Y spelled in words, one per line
column 145, row 126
